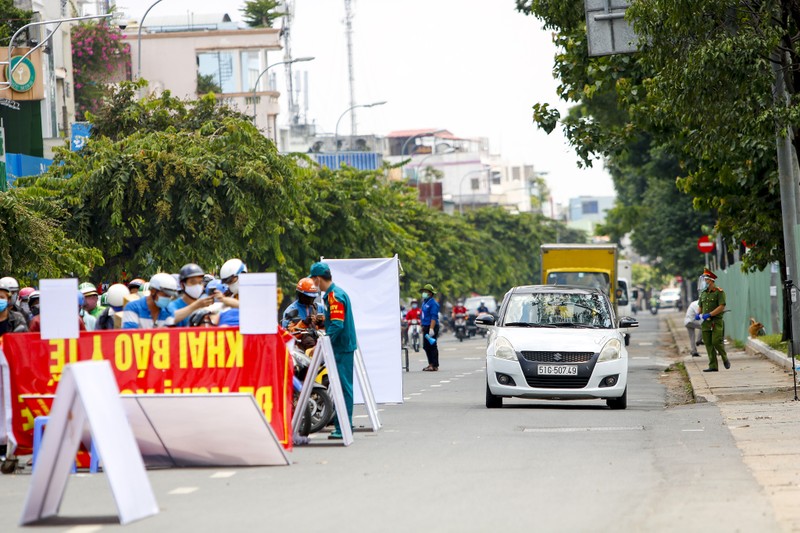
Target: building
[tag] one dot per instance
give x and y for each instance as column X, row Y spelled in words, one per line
column 587, row 212
column 198, row 54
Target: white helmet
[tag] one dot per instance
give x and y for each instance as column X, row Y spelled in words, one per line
column 115, row 295
column 164, row 283
column 232, row 267
column 10, row 284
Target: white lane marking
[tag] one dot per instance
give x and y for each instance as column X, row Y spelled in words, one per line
column 459, row 375
column 415, row 393
column 473, row 358
column 445, row 381
column 640, row 357
column 693, row 430
column 436, row 385
column 577, row 430
column 183, row 490
column 645, row 344
column 449, row 349
column 359, row 416
column 406, row 397
column 83, row 529
column 219, row 475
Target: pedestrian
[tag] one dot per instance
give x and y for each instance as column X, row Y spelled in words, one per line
column 152, row 311
column 430, row 327
column 340, row 327
column 91, row 299
column 191, row 278
column 692, row 325
column 712, row 305
column 11, row 321
column 229, row 275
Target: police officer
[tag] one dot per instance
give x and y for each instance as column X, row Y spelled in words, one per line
column 712, row 305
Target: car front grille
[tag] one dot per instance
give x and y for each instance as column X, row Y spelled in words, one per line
column 557, row 382
column 564, row 357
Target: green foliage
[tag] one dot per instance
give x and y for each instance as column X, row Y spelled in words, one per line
column 207, row 83
column 99, row 56
column 11, row 20
column 261, row 13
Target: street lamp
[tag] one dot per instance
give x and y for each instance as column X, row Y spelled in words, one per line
column 425, row 134
column 139, row 41
column 7, row 83
column 336, row 132
column 460, row 185
column 255, row 86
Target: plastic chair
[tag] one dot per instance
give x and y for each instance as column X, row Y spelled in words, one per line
column 38, row 432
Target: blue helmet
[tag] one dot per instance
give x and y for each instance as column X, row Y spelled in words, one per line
column 215, row 285
column 81, row 299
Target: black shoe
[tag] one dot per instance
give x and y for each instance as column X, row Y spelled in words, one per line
column 726, row 364
column 695, row 354
column 710, row 370
column 699, row 343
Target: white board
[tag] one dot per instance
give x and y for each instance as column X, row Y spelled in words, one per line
column 59, row 308
column 88, row 393
column 258, row 303
column 373, row 286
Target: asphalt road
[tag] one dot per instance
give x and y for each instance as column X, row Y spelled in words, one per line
column 443, row 462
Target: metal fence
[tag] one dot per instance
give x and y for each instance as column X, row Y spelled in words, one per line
column 751, row 295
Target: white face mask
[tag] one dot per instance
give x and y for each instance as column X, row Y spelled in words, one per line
column 193, row 291
column 234, row 287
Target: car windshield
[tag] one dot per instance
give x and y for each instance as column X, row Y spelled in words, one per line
column 562, row 310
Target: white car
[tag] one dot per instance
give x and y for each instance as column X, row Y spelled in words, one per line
column 556, row 342
column 669, row 298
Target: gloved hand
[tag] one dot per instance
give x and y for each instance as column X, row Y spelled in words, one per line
column 431, row 340
column 697, row 316
column 706, row 316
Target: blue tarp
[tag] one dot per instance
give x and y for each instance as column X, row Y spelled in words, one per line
column 359, row 160
column 20, row 165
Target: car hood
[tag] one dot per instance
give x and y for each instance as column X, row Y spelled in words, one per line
column 549, row 339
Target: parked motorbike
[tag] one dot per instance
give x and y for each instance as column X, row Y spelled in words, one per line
column 460, row 326
column 319, row 410
column 472, row 328
column 414, row 333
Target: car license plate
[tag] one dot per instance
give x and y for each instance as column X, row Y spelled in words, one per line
column 558, row 370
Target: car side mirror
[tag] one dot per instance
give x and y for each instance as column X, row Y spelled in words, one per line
column 628, row 322
column 484, row 319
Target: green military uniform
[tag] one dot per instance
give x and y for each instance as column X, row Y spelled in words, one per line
column 713, row 328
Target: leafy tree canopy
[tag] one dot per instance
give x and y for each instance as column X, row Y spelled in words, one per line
column 261, row 13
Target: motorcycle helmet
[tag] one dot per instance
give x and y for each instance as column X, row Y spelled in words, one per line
column 12, row 286
column 231, row 268
column 88, row 289
column 115, row 295
column 164, row 283
column 25, row 293
column 201, row 317
column 190, row 270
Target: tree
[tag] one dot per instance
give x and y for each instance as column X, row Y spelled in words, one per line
column 11, row 20
column 207, row 83
column 261, row 13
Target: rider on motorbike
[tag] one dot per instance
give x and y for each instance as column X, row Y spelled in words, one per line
column 459, row 309
column 415, row 313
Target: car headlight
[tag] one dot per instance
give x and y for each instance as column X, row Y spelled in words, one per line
column 504, row 350
column 610, row 351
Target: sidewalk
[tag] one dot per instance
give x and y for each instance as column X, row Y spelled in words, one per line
column 756, row 399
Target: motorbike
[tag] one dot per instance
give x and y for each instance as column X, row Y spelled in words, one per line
column 653, row 306
column 319, row 411
column 460, row 326
column 414, row 333
column 472, row 328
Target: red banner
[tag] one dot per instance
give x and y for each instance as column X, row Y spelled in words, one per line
column 155, row 361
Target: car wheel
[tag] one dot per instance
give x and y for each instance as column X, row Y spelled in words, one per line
column 492, row 401
column 613, row 403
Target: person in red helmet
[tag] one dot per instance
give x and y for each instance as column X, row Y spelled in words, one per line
column 304, row 307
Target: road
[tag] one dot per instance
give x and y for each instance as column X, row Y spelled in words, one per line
column 443, row 462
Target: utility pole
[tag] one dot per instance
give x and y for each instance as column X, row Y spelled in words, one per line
column 286, row 31
column 348, row 21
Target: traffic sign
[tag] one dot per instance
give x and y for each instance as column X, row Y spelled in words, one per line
column 705, row 245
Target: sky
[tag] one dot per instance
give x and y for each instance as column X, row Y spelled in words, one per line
column 472, row 67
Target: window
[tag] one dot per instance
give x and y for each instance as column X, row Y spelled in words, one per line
column 590, row 207
column 219, row 66
column 251, row 68
column 476, row 183
column 515, row 174
column 497, row 177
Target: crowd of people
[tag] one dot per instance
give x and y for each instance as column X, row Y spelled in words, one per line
column 189, row 298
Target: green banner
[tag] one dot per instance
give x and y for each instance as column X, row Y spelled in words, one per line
column 3, row 175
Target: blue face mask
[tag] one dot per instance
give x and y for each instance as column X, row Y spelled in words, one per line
column 413, row 306
column 3, row 305
column 425, row 295
column 163, row 301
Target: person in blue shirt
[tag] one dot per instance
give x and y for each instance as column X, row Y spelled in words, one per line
column 303, row 308
column 340, row 327
column 152, row 311
column 191, row 278
column 430, row 327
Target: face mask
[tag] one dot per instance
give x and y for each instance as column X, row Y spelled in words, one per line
column 413, row 306
column 193, row 291
column 234, row 287
column 3, row 305
column 425, row 295
column 35, row 309
column 162, row 302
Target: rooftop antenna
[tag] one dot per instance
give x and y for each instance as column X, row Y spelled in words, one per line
column 286, row 25
column 348, row 21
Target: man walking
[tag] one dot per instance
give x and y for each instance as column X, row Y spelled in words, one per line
column 340, row 327
column 693, row 325
column 712, row 305
column 430, row 327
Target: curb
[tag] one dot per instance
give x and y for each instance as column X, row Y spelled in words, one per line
column 756, row 347
column 700, row 387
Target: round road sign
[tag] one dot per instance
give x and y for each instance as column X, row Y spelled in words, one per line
column 705, row 245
